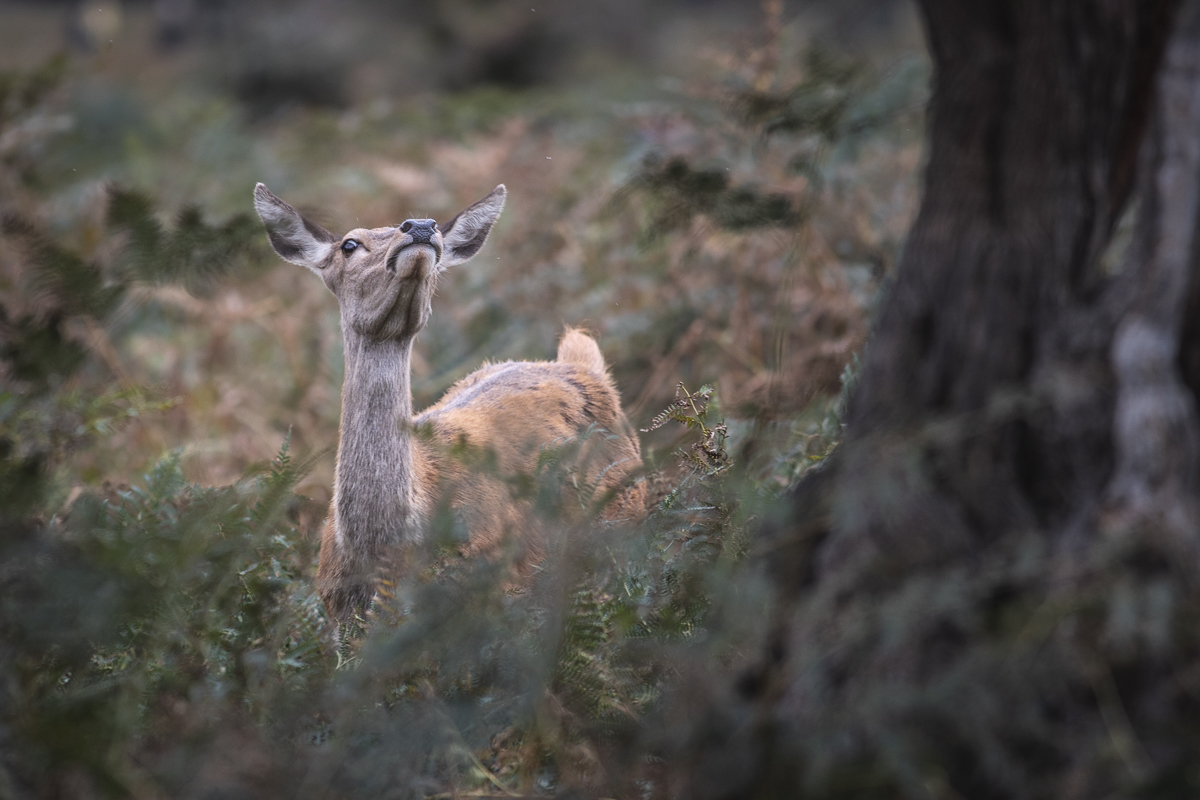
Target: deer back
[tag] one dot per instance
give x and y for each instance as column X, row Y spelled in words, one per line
column 495, row 429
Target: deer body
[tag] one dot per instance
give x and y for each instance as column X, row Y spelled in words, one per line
column 394, row 468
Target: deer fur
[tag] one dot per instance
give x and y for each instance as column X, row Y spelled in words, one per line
column 394, row 469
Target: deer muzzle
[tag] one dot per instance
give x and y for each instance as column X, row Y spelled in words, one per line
column 406, row 254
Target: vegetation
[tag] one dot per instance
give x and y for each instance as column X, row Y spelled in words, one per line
column 963, row 565
column 161, row 372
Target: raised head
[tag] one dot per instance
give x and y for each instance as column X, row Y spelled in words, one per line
column 383, row 278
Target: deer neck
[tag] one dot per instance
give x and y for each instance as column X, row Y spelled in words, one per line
column 374, row 490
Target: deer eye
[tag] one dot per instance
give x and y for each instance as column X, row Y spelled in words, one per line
column 349, row 246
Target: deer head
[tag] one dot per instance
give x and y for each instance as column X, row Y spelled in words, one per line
column 383, row 278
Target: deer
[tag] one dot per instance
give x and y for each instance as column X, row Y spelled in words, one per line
column 395, row 470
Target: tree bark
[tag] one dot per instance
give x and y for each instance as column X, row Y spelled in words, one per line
column 1156, row 430
column 985, row 402
column 1022, row 452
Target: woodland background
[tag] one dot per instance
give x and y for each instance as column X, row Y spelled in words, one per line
column 719, row 190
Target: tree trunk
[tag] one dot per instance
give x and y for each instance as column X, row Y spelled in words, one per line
column 986, row 399
column 1155, row 429
column 967, row 592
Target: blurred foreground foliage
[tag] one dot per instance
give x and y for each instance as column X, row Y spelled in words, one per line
column 164, row 638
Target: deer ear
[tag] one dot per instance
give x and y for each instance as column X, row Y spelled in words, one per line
column 463, row 236
column 294, row 238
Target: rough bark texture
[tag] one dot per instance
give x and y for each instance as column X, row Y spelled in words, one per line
column 966, row 590
column 1156, row 430
column 989, row 361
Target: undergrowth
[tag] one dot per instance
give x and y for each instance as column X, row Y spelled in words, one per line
column 163, row 637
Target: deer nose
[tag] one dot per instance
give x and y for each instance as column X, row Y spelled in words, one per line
column 421, row 230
